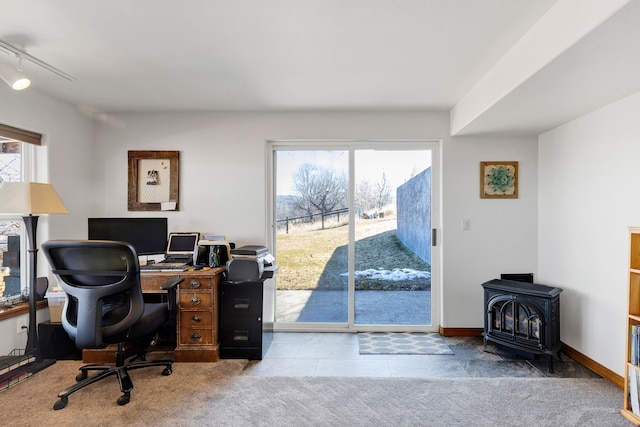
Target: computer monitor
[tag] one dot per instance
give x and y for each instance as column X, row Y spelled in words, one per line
column 147, row 235
column 182, row 245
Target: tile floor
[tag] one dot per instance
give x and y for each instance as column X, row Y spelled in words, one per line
column 336, row 354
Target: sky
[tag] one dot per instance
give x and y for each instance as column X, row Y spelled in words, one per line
column 397, row 165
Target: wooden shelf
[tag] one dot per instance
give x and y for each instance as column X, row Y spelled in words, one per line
column 630, row 416
column 19, row 309
column 633, row 319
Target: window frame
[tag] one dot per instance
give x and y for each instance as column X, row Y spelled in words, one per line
column 434, row 145
column 28, row 140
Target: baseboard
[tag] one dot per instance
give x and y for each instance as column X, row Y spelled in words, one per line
column 460, row 332
column 594, row 366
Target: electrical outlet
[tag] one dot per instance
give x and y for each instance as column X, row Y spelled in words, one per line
column 23, row 324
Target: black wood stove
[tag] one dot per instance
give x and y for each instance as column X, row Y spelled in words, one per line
column 524, row 317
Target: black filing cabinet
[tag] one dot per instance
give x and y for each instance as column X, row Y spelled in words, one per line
column 241, row 335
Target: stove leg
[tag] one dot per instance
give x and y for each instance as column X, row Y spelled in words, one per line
column 550, row 363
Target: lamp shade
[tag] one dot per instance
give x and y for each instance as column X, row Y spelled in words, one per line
column 13, row 77
column 29, row 198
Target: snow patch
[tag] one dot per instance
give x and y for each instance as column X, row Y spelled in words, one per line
column 395, row 275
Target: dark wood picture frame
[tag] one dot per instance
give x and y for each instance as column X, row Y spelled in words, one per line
column 169, row 161
column 498, row 180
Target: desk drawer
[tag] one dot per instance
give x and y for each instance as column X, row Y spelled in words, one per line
column 239, row 300
column 196, row 319
column 195, row 283
column 195, row 300
column 240, row 332
column 151, row 283
column 195, row 336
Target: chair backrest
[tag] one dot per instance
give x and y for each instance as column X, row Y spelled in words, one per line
column 102, row 283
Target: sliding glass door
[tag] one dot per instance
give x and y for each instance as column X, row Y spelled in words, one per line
column 352, row 235
column 312, row 224
column 392, row 271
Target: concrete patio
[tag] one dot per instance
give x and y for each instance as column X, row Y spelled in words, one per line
column 372, row 307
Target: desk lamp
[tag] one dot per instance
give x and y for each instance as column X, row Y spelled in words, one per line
column 30, row 199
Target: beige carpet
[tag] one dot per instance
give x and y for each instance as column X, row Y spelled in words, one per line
column 218, row 394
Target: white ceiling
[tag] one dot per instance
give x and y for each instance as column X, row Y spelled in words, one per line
column 313, row 55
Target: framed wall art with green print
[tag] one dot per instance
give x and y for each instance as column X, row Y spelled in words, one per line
column 499, row 180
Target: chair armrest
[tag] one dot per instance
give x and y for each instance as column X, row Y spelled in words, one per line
column 170, row 286
column 171, row 283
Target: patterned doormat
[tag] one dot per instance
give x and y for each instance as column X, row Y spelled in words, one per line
column 402, row 343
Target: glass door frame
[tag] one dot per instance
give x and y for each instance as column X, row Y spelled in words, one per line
column 434, row 145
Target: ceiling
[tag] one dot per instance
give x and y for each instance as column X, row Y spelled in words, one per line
column 315, row 55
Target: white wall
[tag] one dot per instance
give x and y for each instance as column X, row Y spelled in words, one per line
column 502, row 236
column 589, row 181
column 222, row 190
column 65, row 160
column 11, row 339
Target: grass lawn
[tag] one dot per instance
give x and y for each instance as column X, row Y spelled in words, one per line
column 317, row 259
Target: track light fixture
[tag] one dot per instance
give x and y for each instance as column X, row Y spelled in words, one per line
column 14, row 77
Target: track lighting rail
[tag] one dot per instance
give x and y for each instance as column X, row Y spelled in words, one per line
column 21, row 54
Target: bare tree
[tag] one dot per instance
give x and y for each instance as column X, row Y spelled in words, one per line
column 10, row 170
column 383, row 192
column 319, row 190
column 10, row 167
column 373, row 196
column 364, row 199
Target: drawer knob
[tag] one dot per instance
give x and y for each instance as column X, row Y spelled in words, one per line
column 195, row 284
column 195, row 300
column 196, row 319
column 196, row 336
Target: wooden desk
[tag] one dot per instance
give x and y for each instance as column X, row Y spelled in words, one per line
column 197, row 318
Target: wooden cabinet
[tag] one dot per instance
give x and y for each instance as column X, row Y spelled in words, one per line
column 631, row 370
column 197, row 324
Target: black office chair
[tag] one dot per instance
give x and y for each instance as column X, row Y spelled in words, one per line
column 105, row 305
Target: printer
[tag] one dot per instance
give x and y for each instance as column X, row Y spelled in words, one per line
column 247, row 264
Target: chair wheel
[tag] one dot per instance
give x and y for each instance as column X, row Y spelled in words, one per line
column 167, row 371
column 124, row 399
column 81, row 376
column 61, row 403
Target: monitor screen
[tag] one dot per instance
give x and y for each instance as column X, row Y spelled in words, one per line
column 182, row 245
column 147, row 235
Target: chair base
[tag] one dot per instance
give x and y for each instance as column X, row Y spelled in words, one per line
column 121, row 370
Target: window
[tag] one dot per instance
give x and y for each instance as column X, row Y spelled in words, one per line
column 16, row 158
